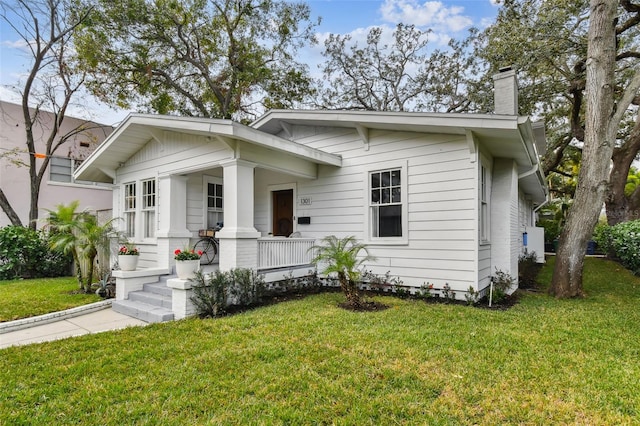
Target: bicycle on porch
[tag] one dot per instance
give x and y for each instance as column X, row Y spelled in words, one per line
column 208, row 244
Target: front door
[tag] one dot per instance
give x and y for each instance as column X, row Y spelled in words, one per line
column 283, row 212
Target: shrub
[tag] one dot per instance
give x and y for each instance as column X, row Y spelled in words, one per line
column 622, row 241
column 502, row 282
column 24, row 253
column 213, row 294
column 528, row 269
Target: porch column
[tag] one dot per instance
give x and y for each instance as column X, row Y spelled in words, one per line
column 238, row 238
column 172, row 218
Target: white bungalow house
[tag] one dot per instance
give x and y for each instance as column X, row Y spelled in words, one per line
column 438, row 198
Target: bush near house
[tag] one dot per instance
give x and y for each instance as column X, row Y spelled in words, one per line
column 621, row 242
column 24, row 253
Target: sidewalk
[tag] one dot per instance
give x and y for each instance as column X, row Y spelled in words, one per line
column 93, row 318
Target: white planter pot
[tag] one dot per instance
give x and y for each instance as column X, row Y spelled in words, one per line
column 187, row 269
column 127, row 262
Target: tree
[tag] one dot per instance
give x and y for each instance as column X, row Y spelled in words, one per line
column 547, row 42
column 78, row 233
column 605, row 109
column 217, row 58
column 340, row 256
column 402, row 76
column 51, row 84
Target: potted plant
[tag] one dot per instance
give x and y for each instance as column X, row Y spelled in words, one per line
column 128, row 256
column 187, row 263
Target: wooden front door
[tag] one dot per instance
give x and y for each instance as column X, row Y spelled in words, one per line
column 283, row 212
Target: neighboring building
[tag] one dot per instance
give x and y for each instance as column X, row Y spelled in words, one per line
column 58, row 185
column 438, row 198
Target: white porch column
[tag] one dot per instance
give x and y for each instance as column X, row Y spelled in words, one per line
column 238, row 238
column 172, row 218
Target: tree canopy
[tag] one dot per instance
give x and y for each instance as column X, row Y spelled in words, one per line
column 546, row 40
column 216, row 58
column 404, row 75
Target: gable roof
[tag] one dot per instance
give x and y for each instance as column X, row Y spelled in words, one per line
column 138, row 129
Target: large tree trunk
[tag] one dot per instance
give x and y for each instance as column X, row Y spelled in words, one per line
column 621, row 208
column 599, row 142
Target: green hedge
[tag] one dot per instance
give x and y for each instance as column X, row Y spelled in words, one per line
column 24, row 253
column 621, row 242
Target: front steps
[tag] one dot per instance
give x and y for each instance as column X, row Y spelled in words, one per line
column 152, row 304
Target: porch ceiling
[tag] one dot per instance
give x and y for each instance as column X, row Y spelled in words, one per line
column 138, row 129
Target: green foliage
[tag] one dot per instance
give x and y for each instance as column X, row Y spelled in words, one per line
column 24, row 254
column 405, row 75
column 502, row 282
column 213, row 294
column 78, row 233
column 447, row 294
column 471, row 296
column 621, row 241
column 341, row 256
column 528, row 268
column 553, row 217
column 216, row 59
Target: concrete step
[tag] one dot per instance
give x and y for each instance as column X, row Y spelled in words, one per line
column 154, row 299
column 158, row 288
column 142, row 311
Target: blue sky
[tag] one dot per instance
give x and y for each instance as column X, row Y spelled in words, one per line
column 446, row 18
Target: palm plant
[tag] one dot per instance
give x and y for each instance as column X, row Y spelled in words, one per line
column 63, row 224
column 340, row 256
column 80, row 234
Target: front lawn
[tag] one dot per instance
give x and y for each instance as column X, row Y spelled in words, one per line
column 28, row 298
column 544, row 361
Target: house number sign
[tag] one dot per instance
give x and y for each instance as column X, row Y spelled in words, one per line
column 305, row 201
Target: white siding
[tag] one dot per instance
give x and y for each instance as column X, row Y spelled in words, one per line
column 441, row 201
column 506, row 233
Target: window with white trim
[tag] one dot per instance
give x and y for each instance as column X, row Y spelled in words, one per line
column 148, row 208
column 129, row 210
column 386, row 203
column 483, row 196
column 214, row 213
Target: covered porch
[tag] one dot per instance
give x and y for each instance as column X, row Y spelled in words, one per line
column 168, row 173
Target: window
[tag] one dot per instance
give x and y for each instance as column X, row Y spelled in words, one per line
column 61, row 169
column 484, row 203
column 385, row 202
column 149, row 208
column 214, row 206
column 130, row 209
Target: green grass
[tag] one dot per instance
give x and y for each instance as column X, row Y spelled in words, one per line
column 545, row 361
column 27, row 298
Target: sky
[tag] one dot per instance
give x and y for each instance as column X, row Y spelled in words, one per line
column 446, row 18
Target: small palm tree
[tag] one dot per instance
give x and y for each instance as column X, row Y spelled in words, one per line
column 341, row 256
column 80, row 234
column 63, row 224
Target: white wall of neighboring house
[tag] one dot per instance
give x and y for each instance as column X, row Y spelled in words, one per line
column 57, row 185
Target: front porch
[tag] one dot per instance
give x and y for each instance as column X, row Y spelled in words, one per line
column 158, row 295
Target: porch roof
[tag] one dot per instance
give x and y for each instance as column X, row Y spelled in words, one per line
column 137, row 129
column 504, row 136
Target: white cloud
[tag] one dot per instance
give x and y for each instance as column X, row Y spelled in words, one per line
column 430, row 14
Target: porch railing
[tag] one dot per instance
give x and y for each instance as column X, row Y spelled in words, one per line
column 276, row 252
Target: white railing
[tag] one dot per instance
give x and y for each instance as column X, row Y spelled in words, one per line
column 281, row 252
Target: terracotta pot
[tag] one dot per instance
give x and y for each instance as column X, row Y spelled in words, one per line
column 187, row 269
column 128, row 262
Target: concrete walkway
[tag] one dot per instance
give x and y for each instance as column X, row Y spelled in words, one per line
column 92, row 318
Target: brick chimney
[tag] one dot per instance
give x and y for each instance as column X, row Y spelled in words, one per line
column 505, row 92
